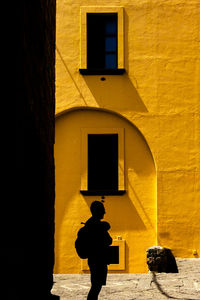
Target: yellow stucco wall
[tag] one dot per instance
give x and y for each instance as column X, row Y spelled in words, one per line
column 159, row 95
column 132, row 216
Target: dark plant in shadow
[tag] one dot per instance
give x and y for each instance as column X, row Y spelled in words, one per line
column 161, row 259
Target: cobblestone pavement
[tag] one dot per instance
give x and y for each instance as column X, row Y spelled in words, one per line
column 184, row 285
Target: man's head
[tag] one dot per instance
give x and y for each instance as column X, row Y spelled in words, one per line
column 97, row 209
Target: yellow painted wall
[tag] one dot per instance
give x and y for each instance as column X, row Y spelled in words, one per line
column 159, row 95
column 132, row 216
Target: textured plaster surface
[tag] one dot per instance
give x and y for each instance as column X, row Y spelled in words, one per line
column 159, row 94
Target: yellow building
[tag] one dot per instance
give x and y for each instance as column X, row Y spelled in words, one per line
column 127, row 126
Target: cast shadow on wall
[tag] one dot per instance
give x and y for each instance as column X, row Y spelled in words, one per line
column 120, row 215
column 115, row 92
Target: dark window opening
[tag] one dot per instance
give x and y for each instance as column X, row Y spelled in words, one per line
column 103, row 163
column 113, row 255
column 102, row 41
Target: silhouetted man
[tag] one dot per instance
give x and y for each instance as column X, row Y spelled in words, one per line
column 98, row 249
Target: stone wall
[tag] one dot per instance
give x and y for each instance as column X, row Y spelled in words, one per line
column 30, row 239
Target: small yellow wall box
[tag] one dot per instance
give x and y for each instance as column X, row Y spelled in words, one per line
column 116, row 267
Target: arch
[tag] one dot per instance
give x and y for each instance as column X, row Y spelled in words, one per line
column 90, row 108
column 136, row 209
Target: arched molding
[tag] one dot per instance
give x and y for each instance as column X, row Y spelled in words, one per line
column 84, row 108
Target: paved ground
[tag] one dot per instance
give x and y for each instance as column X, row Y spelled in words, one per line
column 184, row 285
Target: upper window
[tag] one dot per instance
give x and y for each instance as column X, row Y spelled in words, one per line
column 102, row 40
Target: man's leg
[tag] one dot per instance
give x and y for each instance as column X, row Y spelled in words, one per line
column 94, row 291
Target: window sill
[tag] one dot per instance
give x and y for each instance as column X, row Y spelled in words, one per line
column 102, row 193
column 102, row 71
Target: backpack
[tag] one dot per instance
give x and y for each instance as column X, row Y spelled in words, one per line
column 82, row 242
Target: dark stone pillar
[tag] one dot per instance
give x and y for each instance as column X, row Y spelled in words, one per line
column 29, row 212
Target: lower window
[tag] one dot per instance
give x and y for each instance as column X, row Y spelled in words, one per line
column 102, row 164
